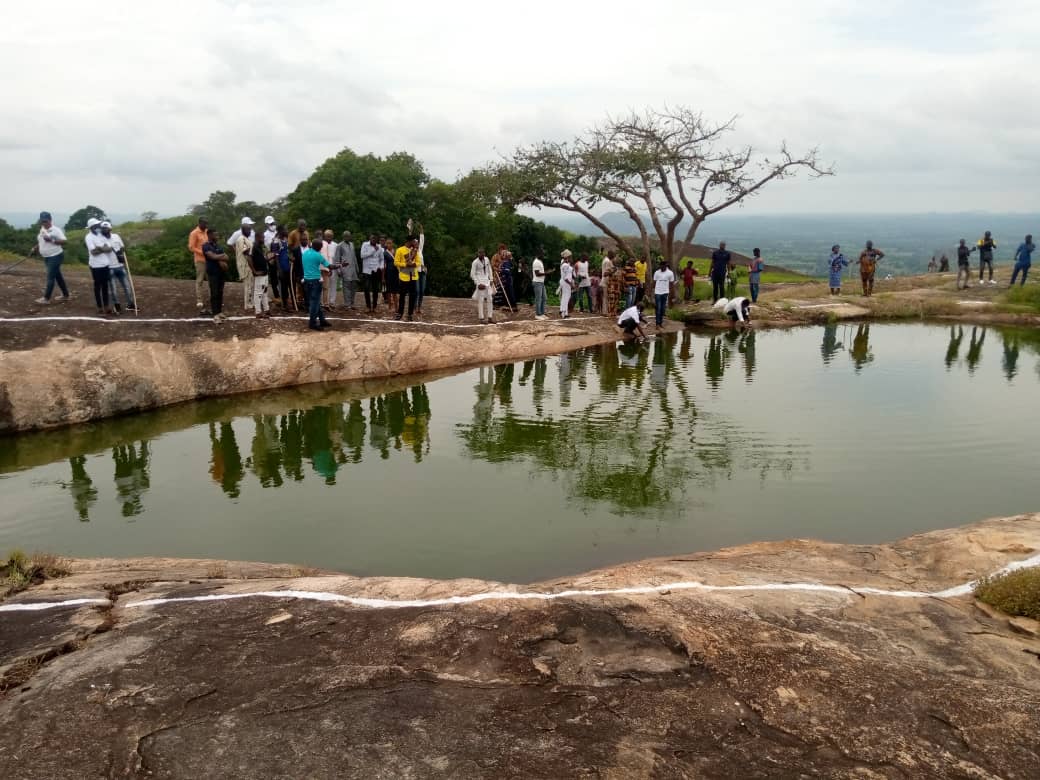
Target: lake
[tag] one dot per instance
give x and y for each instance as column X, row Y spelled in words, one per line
column 849, row 433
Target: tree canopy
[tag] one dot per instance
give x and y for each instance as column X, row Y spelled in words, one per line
column 79, row 218
column 663, row 168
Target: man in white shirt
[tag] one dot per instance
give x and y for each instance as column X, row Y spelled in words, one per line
column 371, row 271
column 100, row 257
column 117, row 270
column 270, row 234
column 480, row 273
column 737, row 309
column 566, row 283
column 584, row 282
column 328, row 287
column 243, row 248
column 630, row 319
column 664, row 278
column 50, row 245
column 538, row 274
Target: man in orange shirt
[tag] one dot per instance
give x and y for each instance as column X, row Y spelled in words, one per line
column 195, row 242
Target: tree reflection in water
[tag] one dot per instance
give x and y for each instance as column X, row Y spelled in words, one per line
column 633, row 439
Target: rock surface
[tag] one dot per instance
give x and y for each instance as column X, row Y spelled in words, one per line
column 675, row 683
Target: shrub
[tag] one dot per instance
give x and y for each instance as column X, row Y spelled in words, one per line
column 21, row 571
column 1015, row 593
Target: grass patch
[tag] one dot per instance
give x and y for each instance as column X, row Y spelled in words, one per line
column 1014, row 593
column 676, row 313
column 1025, row 295
column 21, row 571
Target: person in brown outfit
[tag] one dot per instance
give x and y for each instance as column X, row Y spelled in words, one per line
column 868, row 260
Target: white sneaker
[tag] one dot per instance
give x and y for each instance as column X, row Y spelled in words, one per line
column 42, row 300
column 992, row 281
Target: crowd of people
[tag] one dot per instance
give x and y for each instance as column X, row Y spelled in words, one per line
column 301, row 272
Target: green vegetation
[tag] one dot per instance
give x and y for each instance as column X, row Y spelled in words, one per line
column 21, row 571
column 1026, row 296
column 1014, row 593
column 78, row 220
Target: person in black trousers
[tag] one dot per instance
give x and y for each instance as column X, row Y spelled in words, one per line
column 216, row 269
column 721, row 262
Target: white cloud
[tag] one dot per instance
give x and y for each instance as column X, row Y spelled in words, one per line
column 134, row 105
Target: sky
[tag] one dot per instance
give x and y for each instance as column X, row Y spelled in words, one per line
column 921, row 106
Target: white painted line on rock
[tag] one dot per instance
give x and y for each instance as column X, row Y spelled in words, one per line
column 373, row 603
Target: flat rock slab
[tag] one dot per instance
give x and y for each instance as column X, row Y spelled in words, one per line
column 678, row 683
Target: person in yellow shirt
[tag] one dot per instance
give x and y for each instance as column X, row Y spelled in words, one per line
column 641, row 284
column 406, row 260
column 195, row 242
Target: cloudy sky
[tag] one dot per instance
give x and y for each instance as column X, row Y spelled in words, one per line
column 921, row 105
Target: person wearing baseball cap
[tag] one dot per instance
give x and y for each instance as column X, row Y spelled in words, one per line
column 243, row 251
column 50, row 243
column 270, row 234
column 100, row 258
column 117, row 269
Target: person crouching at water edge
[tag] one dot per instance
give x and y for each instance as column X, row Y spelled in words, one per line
column 480, row 273
column 631, row 320
column 313, row 264
column 737, row 309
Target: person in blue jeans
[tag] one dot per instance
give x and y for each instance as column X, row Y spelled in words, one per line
column 755, row 269
column 664, row 278
column 1023, row 259
column 313, row 262
column 117, row 271
column 50, row 245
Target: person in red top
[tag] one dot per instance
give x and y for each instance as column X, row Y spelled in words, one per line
column 687, row 280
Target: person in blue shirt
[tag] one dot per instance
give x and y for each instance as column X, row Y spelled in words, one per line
column 313, row 263
column 1023, row 259
column 755, row 269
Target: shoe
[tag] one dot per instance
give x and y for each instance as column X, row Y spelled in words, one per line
column 324, row 325
column 205, row 312
column 313, row 327
column 200, row 306
column 992, row 281
column 408, row 318
column 259, row 316
column 132, row 307
column 397, row 317
column 65, row 299
column 483, row 321
column 43, row 300
column 118, row 308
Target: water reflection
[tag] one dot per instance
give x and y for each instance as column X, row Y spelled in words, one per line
column 615, row 440
column 954, row 348
column 131, row 476
column 81, row 487
column 861, row 353
column 830, row 346
column 1010, row 361
column 978, row 337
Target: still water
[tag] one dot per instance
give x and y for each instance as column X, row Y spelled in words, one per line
column 852, row 433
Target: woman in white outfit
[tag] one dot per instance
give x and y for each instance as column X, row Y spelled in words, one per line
column 566, row 283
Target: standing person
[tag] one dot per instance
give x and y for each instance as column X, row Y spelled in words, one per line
column 328, row 288
column 584, row 282
column 566, row 283
column 480, row 273
column 944, row 263
column 283, row 261
column 243, row 249
column 721, row 263
column 933, row 266
column 664, row 278
column 755, row 270
column 197, row 238
column 391, row 276
column 689, row 274
column 835, row 264
column 50, row 243
column 505, row 274
column 608, row 264
column 216, row 268
column 117, row 269
column 421, row 283
column 259, row 268
column 346, row 260
column 299, row 240
column 986, row 245
column 313, row 264
column 868, row 260
column 406, row 263
column 1023, row 259
column 270, row 234
column 964, row 263
column 371, row 272
column 597, row 292
column 538, row 274
column 630, row 319
column 99, row 252
column 641, row 276
column 615, row 290
column 631, row 283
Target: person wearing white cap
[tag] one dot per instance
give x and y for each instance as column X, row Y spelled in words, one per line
column 116, row 269
column 270, row 234
column 566, row 283
column 100, row 252
column 243, row 249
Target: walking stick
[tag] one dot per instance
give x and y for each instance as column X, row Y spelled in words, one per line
column 292, row 285
column 10, row 268
column 133, row 292
column 505, row 293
